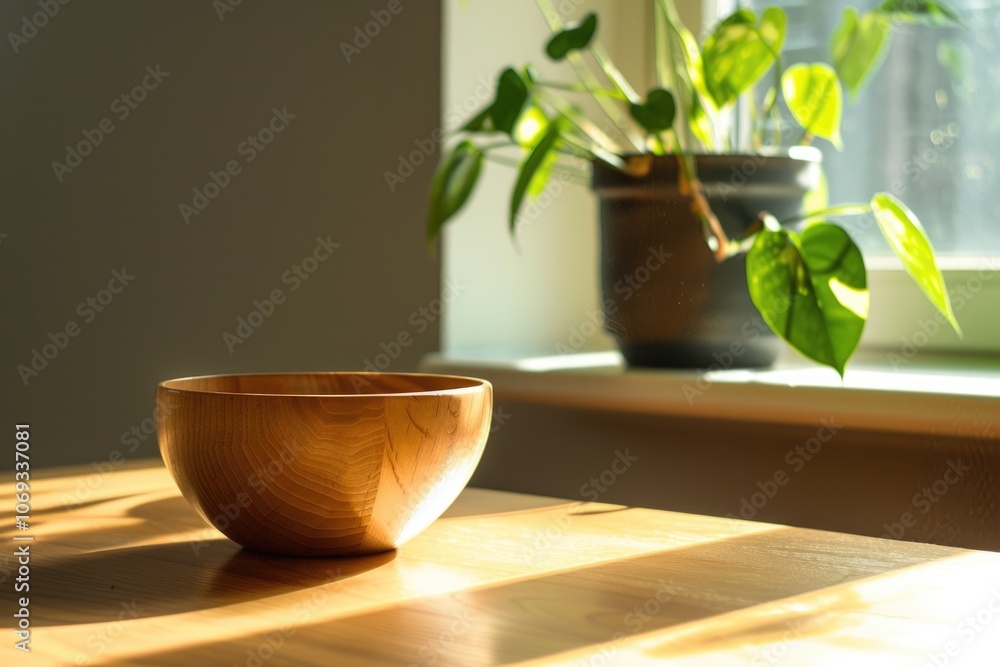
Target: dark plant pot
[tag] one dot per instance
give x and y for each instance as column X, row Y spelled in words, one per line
column 687, row 310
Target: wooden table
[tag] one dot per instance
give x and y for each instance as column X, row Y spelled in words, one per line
column 128, row 574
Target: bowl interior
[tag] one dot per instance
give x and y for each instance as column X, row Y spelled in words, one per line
column 324, row 384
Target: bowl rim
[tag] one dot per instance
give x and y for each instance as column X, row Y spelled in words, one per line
column 475, row 385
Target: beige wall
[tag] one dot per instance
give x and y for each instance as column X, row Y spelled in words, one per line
column 322, row 176
column 524, row 296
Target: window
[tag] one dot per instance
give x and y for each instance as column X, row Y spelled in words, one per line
column 926, row 127
column 512, row 305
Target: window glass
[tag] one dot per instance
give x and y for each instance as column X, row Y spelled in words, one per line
column 926, row 127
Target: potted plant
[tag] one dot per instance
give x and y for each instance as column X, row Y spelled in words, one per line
column 750, row 248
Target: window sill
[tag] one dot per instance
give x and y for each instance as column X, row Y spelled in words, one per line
column 952, row 396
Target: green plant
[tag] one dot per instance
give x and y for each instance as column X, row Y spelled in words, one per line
column 806, row 276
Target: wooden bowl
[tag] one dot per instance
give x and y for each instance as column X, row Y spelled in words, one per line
column 316, row 464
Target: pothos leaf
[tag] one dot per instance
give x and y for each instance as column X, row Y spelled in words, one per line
column 573, row 38
column 926, row 12
column 811, row 290
column 740, row 50
column 858, row 47
column 453, row 183
column 536, row 160
column 512, row 93
column 906, row 237
column 656, row 114
column 815, row 99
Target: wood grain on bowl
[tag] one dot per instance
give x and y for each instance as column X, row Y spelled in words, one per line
column 323, row 463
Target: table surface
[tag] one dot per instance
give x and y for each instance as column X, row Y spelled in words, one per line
column 124, row 572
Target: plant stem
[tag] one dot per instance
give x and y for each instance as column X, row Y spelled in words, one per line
column 601, row 57
column 804, row 139
column 589, row 81
column 583, row 153
column 669, row 44
column 578, row 177
column 665, row 75
column 669, row 47
column 777, row 83
column 502, row 159
column 613, row 73
column 579, row 120
column 690, row 186
column 745, row 240
column 613, row 94
column 844, row 209
column 490, row 147
column 661, row 147
column 556, row 167
column 618, row 117
column 576, row 146
column 776, row 119
column 592, row 152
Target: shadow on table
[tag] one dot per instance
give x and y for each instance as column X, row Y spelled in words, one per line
column 172, row 578
column 82, row 505
column 702, row 597
column 79, row 525
column 483, row 503
column 172, row 508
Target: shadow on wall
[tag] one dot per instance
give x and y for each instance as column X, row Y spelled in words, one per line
column 202, row 188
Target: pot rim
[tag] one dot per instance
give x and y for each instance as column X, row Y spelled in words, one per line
column 799, row 153
column 791, row 161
